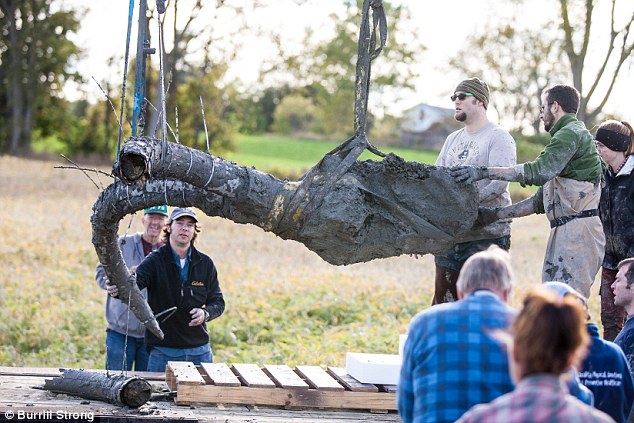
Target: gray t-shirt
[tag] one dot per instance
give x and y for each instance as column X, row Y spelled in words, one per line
column 490, row 146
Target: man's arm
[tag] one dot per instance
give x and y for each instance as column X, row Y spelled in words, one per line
column 549, row 164
column 528, row 206
column 100, row 276
column 470, row 174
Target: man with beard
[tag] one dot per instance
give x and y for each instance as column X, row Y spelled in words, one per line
column 569, row 172
column 479, row 143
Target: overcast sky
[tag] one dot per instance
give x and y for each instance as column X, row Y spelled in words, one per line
column 443, row 27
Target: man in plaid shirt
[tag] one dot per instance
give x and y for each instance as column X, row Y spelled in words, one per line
column 452, row 359
column 549, row 336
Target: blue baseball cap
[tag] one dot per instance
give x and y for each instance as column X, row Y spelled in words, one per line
column 156, row 210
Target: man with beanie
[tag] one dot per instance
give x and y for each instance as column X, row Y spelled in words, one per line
column 569, row 172
column 479, row 143
column 121, row 321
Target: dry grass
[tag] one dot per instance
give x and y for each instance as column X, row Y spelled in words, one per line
column 284, row 304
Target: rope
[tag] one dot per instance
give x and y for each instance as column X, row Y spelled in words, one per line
column 349, row 151
column 367, row 52
column 162, row 78
column 125, row 75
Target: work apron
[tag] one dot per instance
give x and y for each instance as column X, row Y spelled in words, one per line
column 576, row 243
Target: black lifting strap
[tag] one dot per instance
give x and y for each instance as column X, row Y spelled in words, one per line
column 346, row 153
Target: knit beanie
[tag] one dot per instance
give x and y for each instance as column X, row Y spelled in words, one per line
column 613, row 140
column 477, row 87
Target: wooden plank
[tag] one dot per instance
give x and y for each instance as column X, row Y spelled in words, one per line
column 340, row 374
column 301, row 398
column 317, row 378
column 220, row 374
column 251, row 375
column 284, row 376
column 182, row 373
column 388, row 388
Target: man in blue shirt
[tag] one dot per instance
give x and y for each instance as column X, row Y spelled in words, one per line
column 452, row 358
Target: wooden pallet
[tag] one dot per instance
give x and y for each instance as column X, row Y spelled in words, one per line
column 275, row 385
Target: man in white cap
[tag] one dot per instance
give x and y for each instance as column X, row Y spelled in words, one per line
column 121, row 321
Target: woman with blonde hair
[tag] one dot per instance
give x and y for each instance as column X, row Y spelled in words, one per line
column 615, row 145
column 549, row 336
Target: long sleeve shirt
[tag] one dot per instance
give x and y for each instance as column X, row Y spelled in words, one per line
column 571, row 153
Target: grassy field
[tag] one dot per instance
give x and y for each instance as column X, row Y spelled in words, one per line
column 284, row 304
column 288, row 156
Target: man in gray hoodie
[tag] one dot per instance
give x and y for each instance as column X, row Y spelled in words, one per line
column 130, row 349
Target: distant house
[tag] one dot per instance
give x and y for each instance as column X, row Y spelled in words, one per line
column 426, row 126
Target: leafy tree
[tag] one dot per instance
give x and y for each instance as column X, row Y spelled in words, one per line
column 35, row 55
column 325, row 70
column 192, row 27
column 295, row 113
column 191, row 127
column 517, row 64
column 251, row 112
column 577, row 22
column 520, row 62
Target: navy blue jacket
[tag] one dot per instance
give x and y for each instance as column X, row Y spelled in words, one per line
column 625, row 340
column 160, row 274
column 606, row 373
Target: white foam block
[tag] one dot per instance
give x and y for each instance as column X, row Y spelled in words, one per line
column 383, row 369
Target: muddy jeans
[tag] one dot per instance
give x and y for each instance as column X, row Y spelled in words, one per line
column 448, row 266
column 612, row 317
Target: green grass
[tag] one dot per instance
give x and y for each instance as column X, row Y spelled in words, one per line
column 289, row 157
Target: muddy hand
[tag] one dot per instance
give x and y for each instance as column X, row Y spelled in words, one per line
column 486, row 216
column 468, row 174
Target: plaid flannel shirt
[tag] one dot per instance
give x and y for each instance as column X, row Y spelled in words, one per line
column 537, row 398
column 452, row 361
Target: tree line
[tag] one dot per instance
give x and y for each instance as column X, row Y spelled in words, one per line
column 310, row 91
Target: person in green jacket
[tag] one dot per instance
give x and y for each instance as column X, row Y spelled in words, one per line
column 568, row 172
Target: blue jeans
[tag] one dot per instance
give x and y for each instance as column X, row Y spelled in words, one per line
column 158, row 360
column 136, row 353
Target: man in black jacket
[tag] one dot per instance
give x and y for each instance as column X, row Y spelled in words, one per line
column 178, row 275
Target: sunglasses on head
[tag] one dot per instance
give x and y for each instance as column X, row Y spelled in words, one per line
column 461, row 96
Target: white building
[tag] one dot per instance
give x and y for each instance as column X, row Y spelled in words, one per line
column 424, row 126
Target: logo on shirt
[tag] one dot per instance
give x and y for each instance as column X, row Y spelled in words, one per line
column 197, row 283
